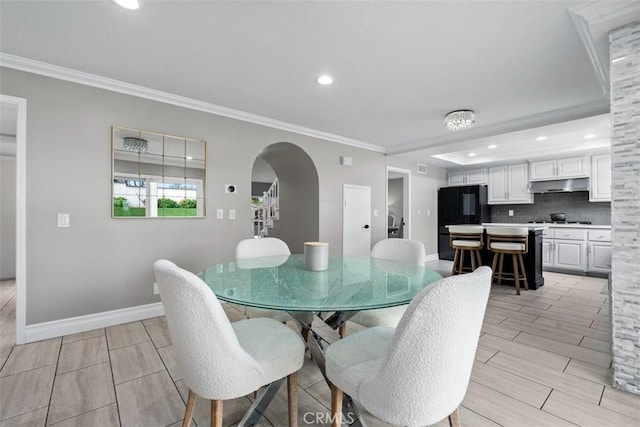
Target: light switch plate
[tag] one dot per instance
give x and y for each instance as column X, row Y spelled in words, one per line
column 220, row 213
column 375, row 212
column 63, row 220
column 232, row 214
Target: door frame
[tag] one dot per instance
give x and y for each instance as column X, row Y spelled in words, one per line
column 21, row 211
column 406, row 198
column 344, row 187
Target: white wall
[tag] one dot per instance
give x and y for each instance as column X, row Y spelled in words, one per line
column 101, row 263
column 7, row 218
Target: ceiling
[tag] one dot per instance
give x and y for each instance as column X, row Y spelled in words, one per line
column 398, row 67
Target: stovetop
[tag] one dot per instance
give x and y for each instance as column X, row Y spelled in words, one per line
column 560, row 222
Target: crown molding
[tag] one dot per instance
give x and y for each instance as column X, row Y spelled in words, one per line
column 594, row 20
column 536, row 120
column 70, row 75
column 584, row 32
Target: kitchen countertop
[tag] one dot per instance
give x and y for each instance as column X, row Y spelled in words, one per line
column 547, row 225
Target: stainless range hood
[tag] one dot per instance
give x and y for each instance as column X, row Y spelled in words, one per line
column 559, row 185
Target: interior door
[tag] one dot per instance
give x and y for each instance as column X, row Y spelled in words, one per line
column 356, row 220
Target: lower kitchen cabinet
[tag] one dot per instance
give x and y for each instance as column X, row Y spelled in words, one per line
column 565, row 248
column 599, row 251
column 577, row 249
column 599, row 257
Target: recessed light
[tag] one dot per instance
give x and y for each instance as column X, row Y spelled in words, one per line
column 325, row 79
column 589, row 136
column 189, row 158
column 492, row 146
column 541, row 138
column 128, row 4
column 472, row 154
column 613, row 61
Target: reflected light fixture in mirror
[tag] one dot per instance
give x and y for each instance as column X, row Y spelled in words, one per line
column 135, row 144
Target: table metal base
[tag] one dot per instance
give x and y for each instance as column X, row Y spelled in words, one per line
column 350, row 413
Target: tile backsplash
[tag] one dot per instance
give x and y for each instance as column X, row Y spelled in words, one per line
column 576, row 205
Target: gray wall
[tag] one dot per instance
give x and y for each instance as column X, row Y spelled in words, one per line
column 7, row 218
column 396, row 200
column 625, row 273
column 576, row 205
column 100, row 263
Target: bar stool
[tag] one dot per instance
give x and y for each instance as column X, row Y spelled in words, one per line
column 465, row 238
column 509, row 240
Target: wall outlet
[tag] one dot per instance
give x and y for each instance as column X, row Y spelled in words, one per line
column 220, row 213
column 510, row 212
column 63, row 220
column 156, row 291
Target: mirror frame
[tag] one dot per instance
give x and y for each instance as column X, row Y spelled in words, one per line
column 156, row 181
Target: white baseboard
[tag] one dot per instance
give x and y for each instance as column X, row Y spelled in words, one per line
column 431, row 257
column 73, row 325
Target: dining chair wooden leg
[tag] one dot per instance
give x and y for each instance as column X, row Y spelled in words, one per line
column 516, row 276
column 454, row 419
column 292, row 396
column 336, row 406
column 216, row 413
column 188, row 413
column 342, row 329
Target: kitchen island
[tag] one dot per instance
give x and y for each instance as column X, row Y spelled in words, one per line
column 532, row 259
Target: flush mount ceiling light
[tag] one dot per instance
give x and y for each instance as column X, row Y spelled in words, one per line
column 589, row 136
column 128, row 4
column 541, row 138
column 135, row 144
column 325, row 79
column 472, row 154
column 492, row 146
column 460, row 119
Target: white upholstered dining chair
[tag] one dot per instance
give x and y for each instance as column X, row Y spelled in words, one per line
column 263, row 247
column 404, row 250
column 219, row 360
column 416, row 374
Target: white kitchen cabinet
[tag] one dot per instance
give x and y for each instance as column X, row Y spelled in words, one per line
column 509, row 185
column 573, row 167
column 565, row 248
column 600, row 182
column 470, row 177
column 599, row 250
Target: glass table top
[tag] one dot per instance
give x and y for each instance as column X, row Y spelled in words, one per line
column 350, row 283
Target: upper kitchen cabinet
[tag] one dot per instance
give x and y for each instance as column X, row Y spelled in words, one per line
column 600, row 178
column 508, row 185
column 470, row 177
column 573, row 167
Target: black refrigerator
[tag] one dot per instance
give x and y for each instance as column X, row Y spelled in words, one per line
column 460, row 205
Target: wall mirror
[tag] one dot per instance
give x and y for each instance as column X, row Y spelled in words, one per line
column 155, row 175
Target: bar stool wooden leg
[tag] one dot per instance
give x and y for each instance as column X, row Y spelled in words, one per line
column 478, row 256
column 455, row 262
column 524, row 274
column 500, row 261
column 473, row 260
column 461, row 264
column 493, row 265
column 516, row 276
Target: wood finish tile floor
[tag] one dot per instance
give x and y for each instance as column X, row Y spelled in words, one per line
column 543, row 360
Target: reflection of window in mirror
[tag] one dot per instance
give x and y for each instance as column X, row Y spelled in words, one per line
column 157, row 175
